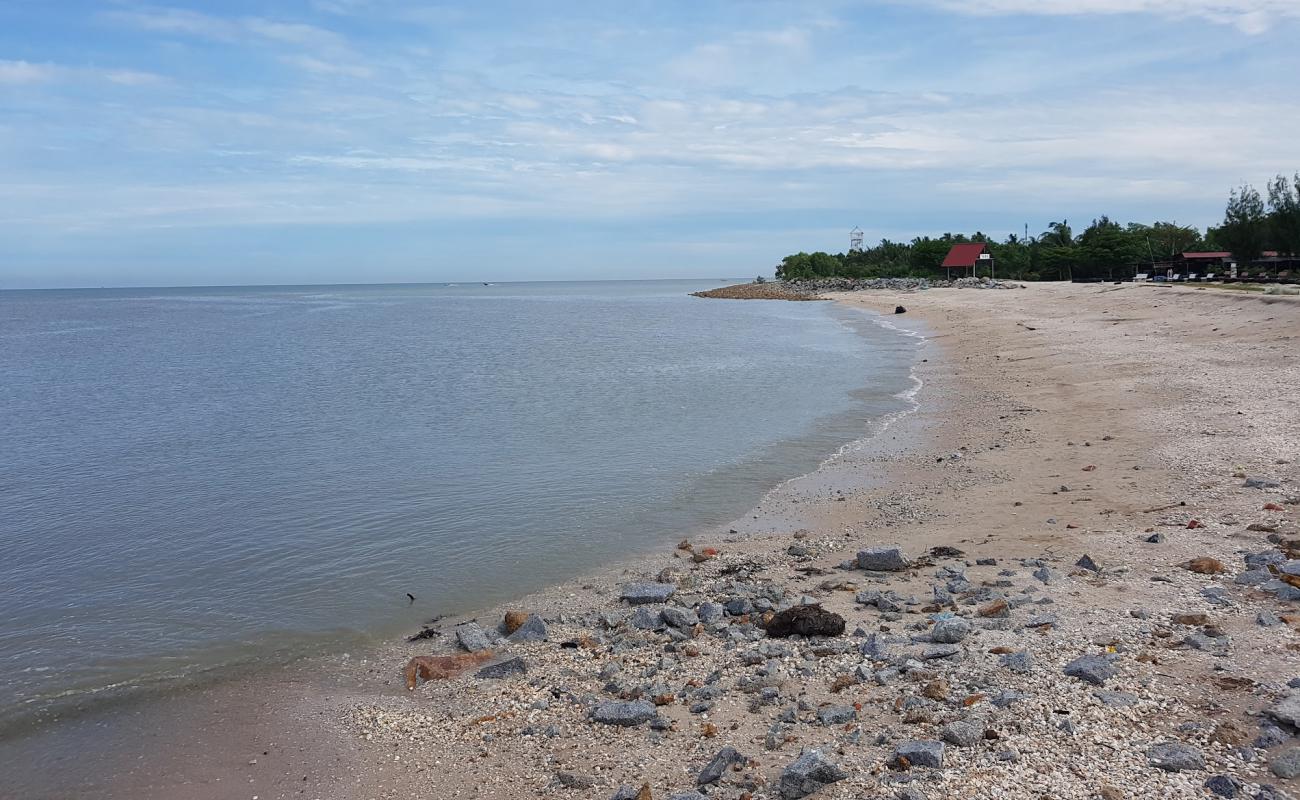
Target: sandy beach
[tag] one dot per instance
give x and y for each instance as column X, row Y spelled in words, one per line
column 1073, row 447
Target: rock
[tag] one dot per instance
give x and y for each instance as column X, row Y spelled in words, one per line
column 626, row 792
column 950, row 631
column 1204, row 566
column 808, row 773
column 997, row 609
column 710, row 612
column 883, row 559
column 900, row 310
column 532, row 629
column 1046, row 575
column 624, row 713
column 1224, row 786
column 688, row 795
column 716, row 768
column 1092, row 669
column 1287, row 711
column 513, row 620
column 472, row 637
column 1021, row 662
column 504, row 669
column 911, row 794
column 642, row 593
column 1190, row 619
column 574, row 780
column 1115, row 699
column 646, row 618
column 935, row 651
column 807, row 620
column 1155, row 538
column 919, row 754
column 1175, row 757
column 836, row 715
column 961, row 734
column 1286, row 764
column 1261, row 483
column 1087, row 563
column 680, row 618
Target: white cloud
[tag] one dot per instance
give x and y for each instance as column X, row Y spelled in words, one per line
column 1250, row 16
column 24, row 72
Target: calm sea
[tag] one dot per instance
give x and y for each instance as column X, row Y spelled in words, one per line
column 192, row 479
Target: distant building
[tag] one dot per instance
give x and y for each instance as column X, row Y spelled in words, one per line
column 965, row 256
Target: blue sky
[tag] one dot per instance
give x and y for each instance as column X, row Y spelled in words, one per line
column 363, row 140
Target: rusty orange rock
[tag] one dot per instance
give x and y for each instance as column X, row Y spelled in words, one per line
column 514, row 620
column 435, row 668
column 1205, row 566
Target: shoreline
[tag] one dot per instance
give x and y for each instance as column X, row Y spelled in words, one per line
column 1020, row 434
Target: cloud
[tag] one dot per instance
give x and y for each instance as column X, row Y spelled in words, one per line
column 1250, row 16
column 16, row 73
column 23, row 72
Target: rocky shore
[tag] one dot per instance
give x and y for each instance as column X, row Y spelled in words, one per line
column 817, row 289
column 1072, row 573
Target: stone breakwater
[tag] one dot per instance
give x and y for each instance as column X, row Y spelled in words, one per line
column 814, row 289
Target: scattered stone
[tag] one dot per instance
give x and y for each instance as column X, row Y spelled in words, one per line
column 574, row 780
column 716, row 768
column 1092, row 669
column 836, row 715
column 1261, row 483
column 961, row 734
column 1087, row 563
column 1175, row 757
column 1046, row 575
column 532, row 629
column 624, row 713
column 805, row 620
column 513, row 620
column 1115, row 699
column 808, row 773
column 900, row 310
column 1156, row 538
column 642, row 593
column 472, row 637
column 883, row 559
column 1224, row 786
column 1286, row 764
column 1021, row 662
column 680, row 618
column 919, row 754
column 1190, row 619
column 950, row 631
column 1287, row 711
column 996, row 609
column 504, row 669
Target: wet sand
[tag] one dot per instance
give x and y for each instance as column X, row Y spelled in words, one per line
column 1083, row 418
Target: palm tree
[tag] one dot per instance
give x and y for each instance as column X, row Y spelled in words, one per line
column 1058, row 234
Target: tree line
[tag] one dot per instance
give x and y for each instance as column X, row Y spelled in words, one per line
column 1106, row 249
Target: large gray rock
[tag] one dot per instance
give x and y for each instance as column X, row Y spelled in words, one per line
column 1261, row 483
column 1288, row 711
column 533, row 630
column 503, row 669
column 950, row 631
column 883, row 559
column 646, row 618
column 715, row 769
column 1286, row 764
column 961, row 734
column 473, row 637
column 836, row 715
column 642, row 593
column 1175, row 757
column 1093, row 669
column 680, row 618
column 808, row 773
column 624, row 713
column 921, row 753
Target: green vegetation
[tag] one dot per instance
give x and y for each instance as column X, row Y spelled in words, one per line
column 1105, row 250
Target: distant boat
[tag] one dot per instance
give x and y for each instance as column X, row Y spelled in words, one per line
column 485, row 283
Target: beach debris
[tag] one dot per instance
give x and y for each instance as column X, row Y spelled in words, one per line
column 410, row 598
column 805, row 620
column 642, row 593
column 808, row 773
column 433, row 668
column 1204, row 565
column 883, row 559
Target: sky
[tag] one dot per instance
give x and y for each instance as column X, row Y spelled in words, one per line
column 326, row 141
